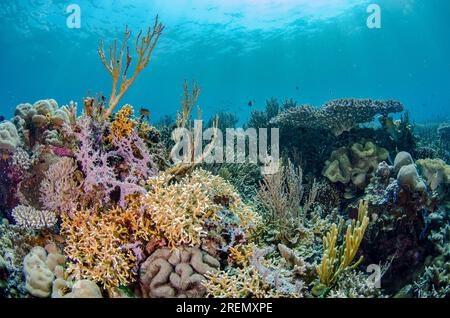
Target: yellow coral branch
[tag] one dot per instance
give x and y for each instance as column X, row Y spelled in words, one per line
column 335, row 260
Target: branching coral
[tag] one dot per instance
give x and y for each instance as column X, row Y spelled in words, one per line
column 97, row 244
column 180, row 210
column 60, row 191
column 337, row 259
column 29, row 217
column 115, row 63
column 123, row 124
column 281, row 195
column 185, row 130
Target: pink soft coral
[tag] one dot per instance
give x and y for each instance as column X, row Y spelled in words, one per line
column 97, row 167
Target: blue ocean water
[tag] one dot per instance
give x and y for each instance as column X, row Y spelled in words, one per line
column 237, row 50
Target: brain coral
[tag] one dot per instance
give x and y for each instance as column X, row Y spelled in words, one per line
column 9, row 138
column 337, row 116
column 176, row 273
column 354, row 163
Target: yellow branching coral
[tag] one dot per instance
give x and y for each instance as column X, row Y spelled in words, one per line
column 179, row 210
column 241, row 283
column 335, row 260
column 119, row 70
column 99, row 245
column 241, row 254
column 123, row 124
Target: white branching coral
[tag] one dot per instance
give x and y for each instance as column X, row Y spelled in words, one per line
column 29, row 217
column 59, row 191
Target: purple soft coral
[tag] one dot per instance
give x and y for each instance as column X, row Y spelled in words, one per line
column 98, row 170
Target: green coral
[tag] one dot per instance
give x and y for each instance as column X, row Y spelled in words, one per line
column 354, row 163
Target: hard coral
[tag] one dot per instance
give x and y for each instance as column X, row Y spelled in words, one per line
column 9, row 138
column 97, row 244
column 123, row 124
column 176, row 273
column 337, row 116
column 180, row 211
column 29, row 217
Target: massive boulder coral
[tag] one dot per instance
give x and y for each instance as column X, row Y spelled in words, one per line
column 176, row 273
column 337, row 116
column 9, row 137
column 38, row 267
column 46, row 277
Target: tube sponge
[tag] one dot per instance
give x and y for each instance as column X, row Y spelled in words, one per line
column 9, row 138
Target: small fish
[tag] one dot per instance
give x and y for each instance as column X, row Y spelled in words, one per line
column 297, row 88
column 423, row 105
column 2, row 118
column 251, row 103
column 144, row 112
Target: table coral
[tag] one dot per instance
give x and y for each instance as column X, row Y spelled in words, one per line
column 337, row 116
column 176, row 273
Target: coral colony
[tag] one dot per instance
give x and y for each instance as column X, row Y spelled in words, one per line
column 103, row 204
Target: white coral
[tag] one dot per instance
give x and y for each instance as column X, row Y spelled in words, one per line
column 9, row 137
column 29, row 217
